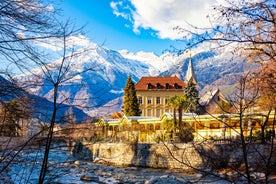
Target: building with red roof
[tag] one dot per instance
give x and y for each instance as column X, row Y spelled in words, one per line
column 153, row 94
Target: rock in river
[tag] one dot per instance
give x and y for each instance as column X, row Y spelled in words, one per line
column 89, row 177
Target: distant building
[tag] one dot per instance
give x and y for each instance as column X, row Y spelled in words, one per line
column 211, row 100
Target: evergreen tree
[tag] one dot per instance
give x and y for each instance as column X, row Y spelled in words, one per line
column 131, row 106
column 192, row 97
column 12, row 115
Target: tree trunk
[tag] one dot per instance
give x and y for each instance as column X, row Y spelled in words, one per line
column 49, row 139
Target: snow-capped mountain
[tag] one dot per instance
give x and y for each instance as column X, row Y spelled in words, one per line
column 98, row 76
column 157, row 64
column 213, row 70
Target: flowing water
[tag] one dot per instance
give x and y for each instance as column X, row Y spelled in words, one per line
column 65, row 169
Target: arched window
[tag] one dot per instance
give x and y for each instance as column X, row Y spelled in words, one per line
column 167, row 86
column 175, row 86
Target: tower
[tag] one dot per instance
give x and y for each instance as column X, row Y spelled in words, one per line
column 190, row 75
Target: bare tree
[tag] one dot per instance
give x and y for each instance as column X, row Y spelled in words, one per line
column 57, row 74
column 22, row 23
column 26, row 27
column 234, row 159
column 248, row 26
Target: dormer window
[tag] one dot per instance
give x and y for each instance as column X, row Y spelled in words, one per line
column 158, row 85
column 167, row 86
column 149, row 86
column 175, row 86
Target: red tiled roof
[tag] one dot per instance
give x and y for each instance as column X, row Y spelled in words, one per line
column 144, row 82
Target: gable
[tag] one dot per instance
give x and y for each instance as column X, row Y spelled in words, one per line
column 213, row 96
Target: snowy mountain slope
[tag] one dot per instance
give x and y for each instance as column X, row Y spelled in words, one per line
column 104, row 80
column 157, row 64
column 213, row 70
column 99, row 91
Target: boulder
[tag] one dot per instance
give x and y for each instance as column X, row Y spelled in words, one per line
column 77, row 162
column 89, row 177
column 110, row 181
column 152, row 180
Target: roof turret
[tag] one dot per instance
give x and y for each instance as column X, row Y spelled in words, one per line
column 190, row 75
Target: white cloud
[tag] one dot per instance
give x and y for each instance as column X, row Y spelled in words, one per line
column 116, row 11
column 56, row 44
column 164, row 15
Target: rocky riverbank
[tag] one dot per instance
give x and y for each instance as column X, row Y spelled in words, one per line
column 97, row 173
column 65, row 169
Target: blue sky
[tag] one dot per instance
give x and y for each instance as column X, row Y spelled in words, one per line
column 137, row 25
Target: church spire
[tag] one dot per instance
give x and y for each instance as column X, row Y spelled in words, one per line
column 190, row 75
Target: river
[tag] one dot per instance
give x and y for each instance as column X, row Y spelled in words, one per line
column 65, row 169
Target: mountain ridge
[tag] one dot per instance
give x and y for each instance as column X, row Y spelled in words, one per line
column 99, row 91
column 39, row 107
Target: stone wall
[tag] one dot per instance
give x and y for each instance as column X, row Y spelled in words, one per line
column 178, row 156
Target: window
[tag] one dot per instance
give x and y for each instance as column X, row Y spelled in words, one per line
column 140, row 101
column 158, row 86
column 151, row 127
column 149, row 112
column 158, row 100
column 175, row 86
column 167, row 86
column 158, row 112
column 149, row 100
column 157, row 127
column 142, row 128
column 149, row 86
column 200, row 126
column 214, row 125
column 166, row 100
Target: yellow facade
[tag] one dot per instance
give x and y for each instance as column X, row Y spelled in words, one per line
column 153, row 94
column 155, row 102
column 206, row 127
